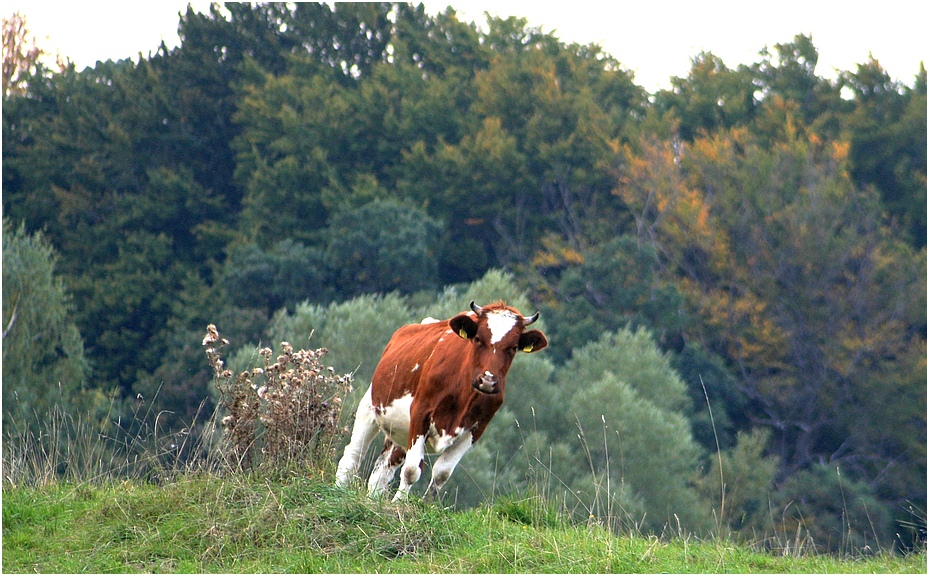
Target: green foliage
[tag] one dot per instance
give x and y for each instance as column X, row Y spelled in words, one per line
column 43, row 354
column 840, row 513
column 740, row 482
column 283, row 275
column 355, row 332
column 642, row 445
column 712, row 96
column 888, row 144
column 382, row 246
column 633, row 358
column 711, row 387
column 617, row 284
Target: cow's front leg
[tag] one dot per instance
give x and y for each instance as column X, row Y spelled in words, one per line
column 413, row 467
column 445, row 464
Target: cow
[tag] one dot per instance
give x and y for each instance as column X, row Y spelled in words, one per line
column 435, row 389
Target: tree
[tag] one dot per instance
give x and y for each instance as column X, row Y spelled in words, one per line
column 629, row 411
column 798, row 285
column 383, row 246
column 740, row 482
column 888, row 144
column 20, row 55
column 616, row 285
column 788, row 75
column 711, row 97
column 43, row 354
column 284, row 275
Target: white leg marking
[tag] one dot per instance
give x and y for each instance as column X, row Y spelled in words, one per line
column 364, row 430
column 410, row 471
column 383, row 473
column 445, row 464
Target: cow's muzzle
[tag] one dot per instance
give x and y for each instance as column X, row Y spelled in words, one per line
column 486, row 383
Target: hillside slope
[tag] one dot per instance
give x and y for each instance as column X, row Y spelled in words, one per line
column 297, row 524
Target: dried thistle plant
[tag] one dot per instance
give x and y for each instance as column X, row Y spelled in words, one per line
column 287, row 410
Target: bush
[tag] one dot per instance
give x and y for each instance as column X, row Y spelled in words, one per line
column 633, row 358
column 642, row 447
column 288, row 410
column 747, row 478
column 355, row 331
column 839, row 514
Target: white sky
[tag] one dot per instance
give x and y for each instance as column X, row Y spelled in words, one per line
column 655, row 39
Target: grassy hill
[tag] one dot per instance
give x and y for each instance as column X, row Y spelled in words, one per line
column 295, row 523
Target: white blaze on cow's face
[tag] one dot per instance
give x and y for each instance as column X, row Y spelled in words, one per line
column 500, row 324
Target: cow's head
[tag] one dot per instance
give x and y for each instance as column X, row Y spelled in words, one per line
column 496, row 333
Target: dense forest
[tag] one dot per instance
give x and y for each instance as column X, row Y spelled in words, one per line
column 731, row 273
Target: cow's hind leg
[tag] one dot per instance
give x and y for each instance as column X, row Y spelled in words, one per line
column 391, row 458
column 364, row 430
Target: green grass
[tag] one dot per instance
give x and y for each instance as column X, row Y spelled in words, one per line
column 204, row 523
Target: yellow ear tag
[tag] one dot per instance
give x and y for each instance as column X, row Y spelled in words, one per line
column 463, row 334
column 528, row 348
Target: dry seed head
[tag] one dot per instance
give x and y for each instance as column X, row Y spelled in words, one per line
column 212, row 335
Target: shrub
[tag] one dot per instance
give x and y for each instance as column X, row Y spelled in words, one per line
column 643, row 447
column 43, row 354
column 839, row 513
column 286, row 410
column 747, row 479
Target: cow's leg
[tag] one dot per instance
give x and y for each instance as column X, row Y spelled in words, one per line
column 364, row 430
column 413, row 467
column 386, row 466
column 445, row 464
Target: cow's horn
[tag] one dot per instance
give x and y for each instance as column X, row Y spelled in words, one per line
column 476, row 309
column 531, row 319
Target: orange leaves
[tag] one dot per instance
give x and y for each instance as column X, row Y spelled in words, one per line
column 668, row 212
column 555, row 254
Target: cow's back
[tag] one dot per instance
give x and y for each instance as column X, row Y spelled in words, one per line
column 405, row 358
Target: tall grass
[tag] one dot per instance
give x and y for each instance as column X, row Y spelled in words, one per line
column 78, row 448
column 285, row 411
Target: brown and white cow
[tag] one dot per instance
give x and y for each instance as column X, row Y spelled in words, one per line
column 436, row 388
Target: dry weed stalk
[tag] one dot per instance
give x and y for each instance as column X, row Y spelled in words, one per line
column 288, row 410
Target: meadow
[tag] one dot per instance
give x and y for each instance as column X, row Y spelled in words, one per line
column 237, row 495
column 301, row 523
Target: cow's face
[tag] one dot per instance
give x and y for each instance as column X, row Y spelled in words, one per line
column 496, row 333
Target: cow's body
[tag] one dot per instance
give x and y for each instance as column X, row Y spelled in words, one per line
column 436, row 388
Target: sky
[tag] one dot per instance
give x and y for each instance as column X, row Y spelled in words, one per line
column 656, row 40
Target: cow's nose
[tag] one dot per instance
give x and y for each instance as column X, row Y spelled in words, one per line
column 486, row 383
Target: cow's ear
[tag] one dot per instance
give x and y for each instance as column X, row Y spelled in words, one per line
column 532, row 341
column 464, row 326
